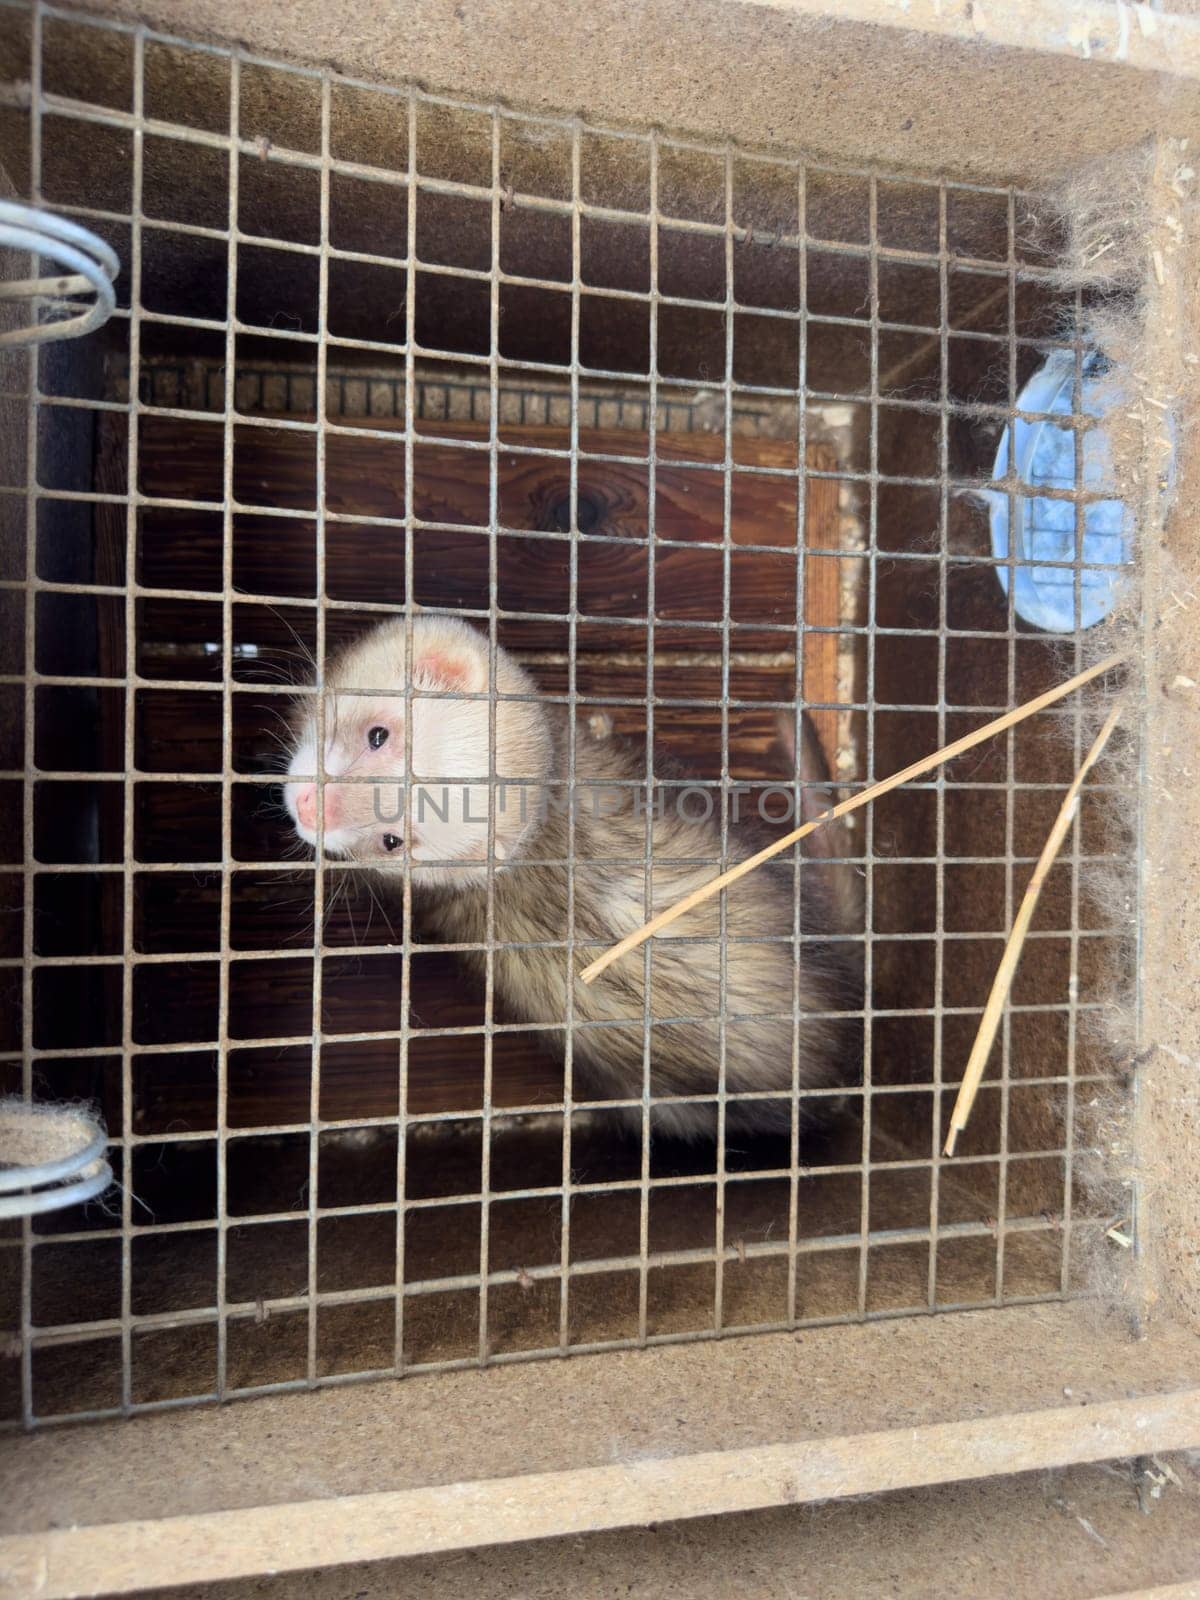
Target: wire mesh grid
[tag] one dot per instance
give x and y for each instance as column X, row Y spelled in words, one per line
column 336, row 1158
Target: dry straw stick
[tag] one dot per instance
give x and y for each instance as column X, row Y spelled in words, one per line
column 1002, row 983
column 927, row 763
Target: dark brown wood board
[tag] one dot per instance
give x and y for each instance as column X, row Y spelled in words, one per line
column 275, row 469
column 274, row 560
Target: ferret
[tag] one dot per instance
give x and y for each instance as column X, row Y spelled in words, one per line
column 452, row 814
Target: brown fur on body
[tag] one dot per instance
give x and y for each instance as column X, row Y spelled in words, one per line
column 768, row 1004
column 686, row 979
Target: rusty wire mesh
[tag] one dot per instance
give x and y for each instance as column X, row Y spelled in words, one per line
column 148, row 1301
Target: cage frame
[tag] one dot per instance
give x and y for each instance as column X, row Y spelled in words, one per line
column 1127, row 1420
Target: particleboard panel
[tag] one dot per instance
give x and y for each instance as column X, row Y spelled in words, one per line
column 1167, row 1046
column 930, row 85
column 1028, row 1534
column 621, row 1440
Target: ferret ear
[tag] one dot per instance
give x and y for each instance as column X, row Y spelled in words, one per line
column 448, row 667
column 843, row 891
column 812, row 768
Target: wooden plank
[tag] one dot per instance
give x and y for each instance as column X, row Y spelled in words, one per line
column 1189, row 1589
column 276, row 468
column 364, row 477
column 179, row 729
column 270, row 1087
column 366, row 564
column 128, row 1557
column 680, row 1399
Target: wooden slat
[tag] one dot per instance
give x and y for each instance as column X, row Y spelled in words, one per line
column 366, row 564
column 216, row 1546
column 182, row 720
column 364, row 477
column 270, row 1087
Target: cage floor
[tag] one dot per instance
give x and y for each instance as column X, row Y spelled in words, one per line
column 268, row 1265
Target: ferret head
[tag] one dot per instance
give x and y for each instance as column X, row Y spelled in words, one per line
column 367, row 743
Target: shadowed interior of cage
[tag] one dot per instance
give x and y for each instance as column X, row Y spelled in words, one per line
column 691, row 432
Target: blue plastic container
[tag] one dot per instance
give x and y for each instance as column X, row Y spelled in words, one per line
column 1044, row 457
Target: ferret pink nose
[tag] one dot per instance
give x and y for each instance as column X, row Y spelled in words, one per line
column 306, row 804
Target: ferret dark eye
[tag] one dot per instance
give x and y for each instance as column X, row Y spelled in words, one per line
column 392, row 841
column 376, row 737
